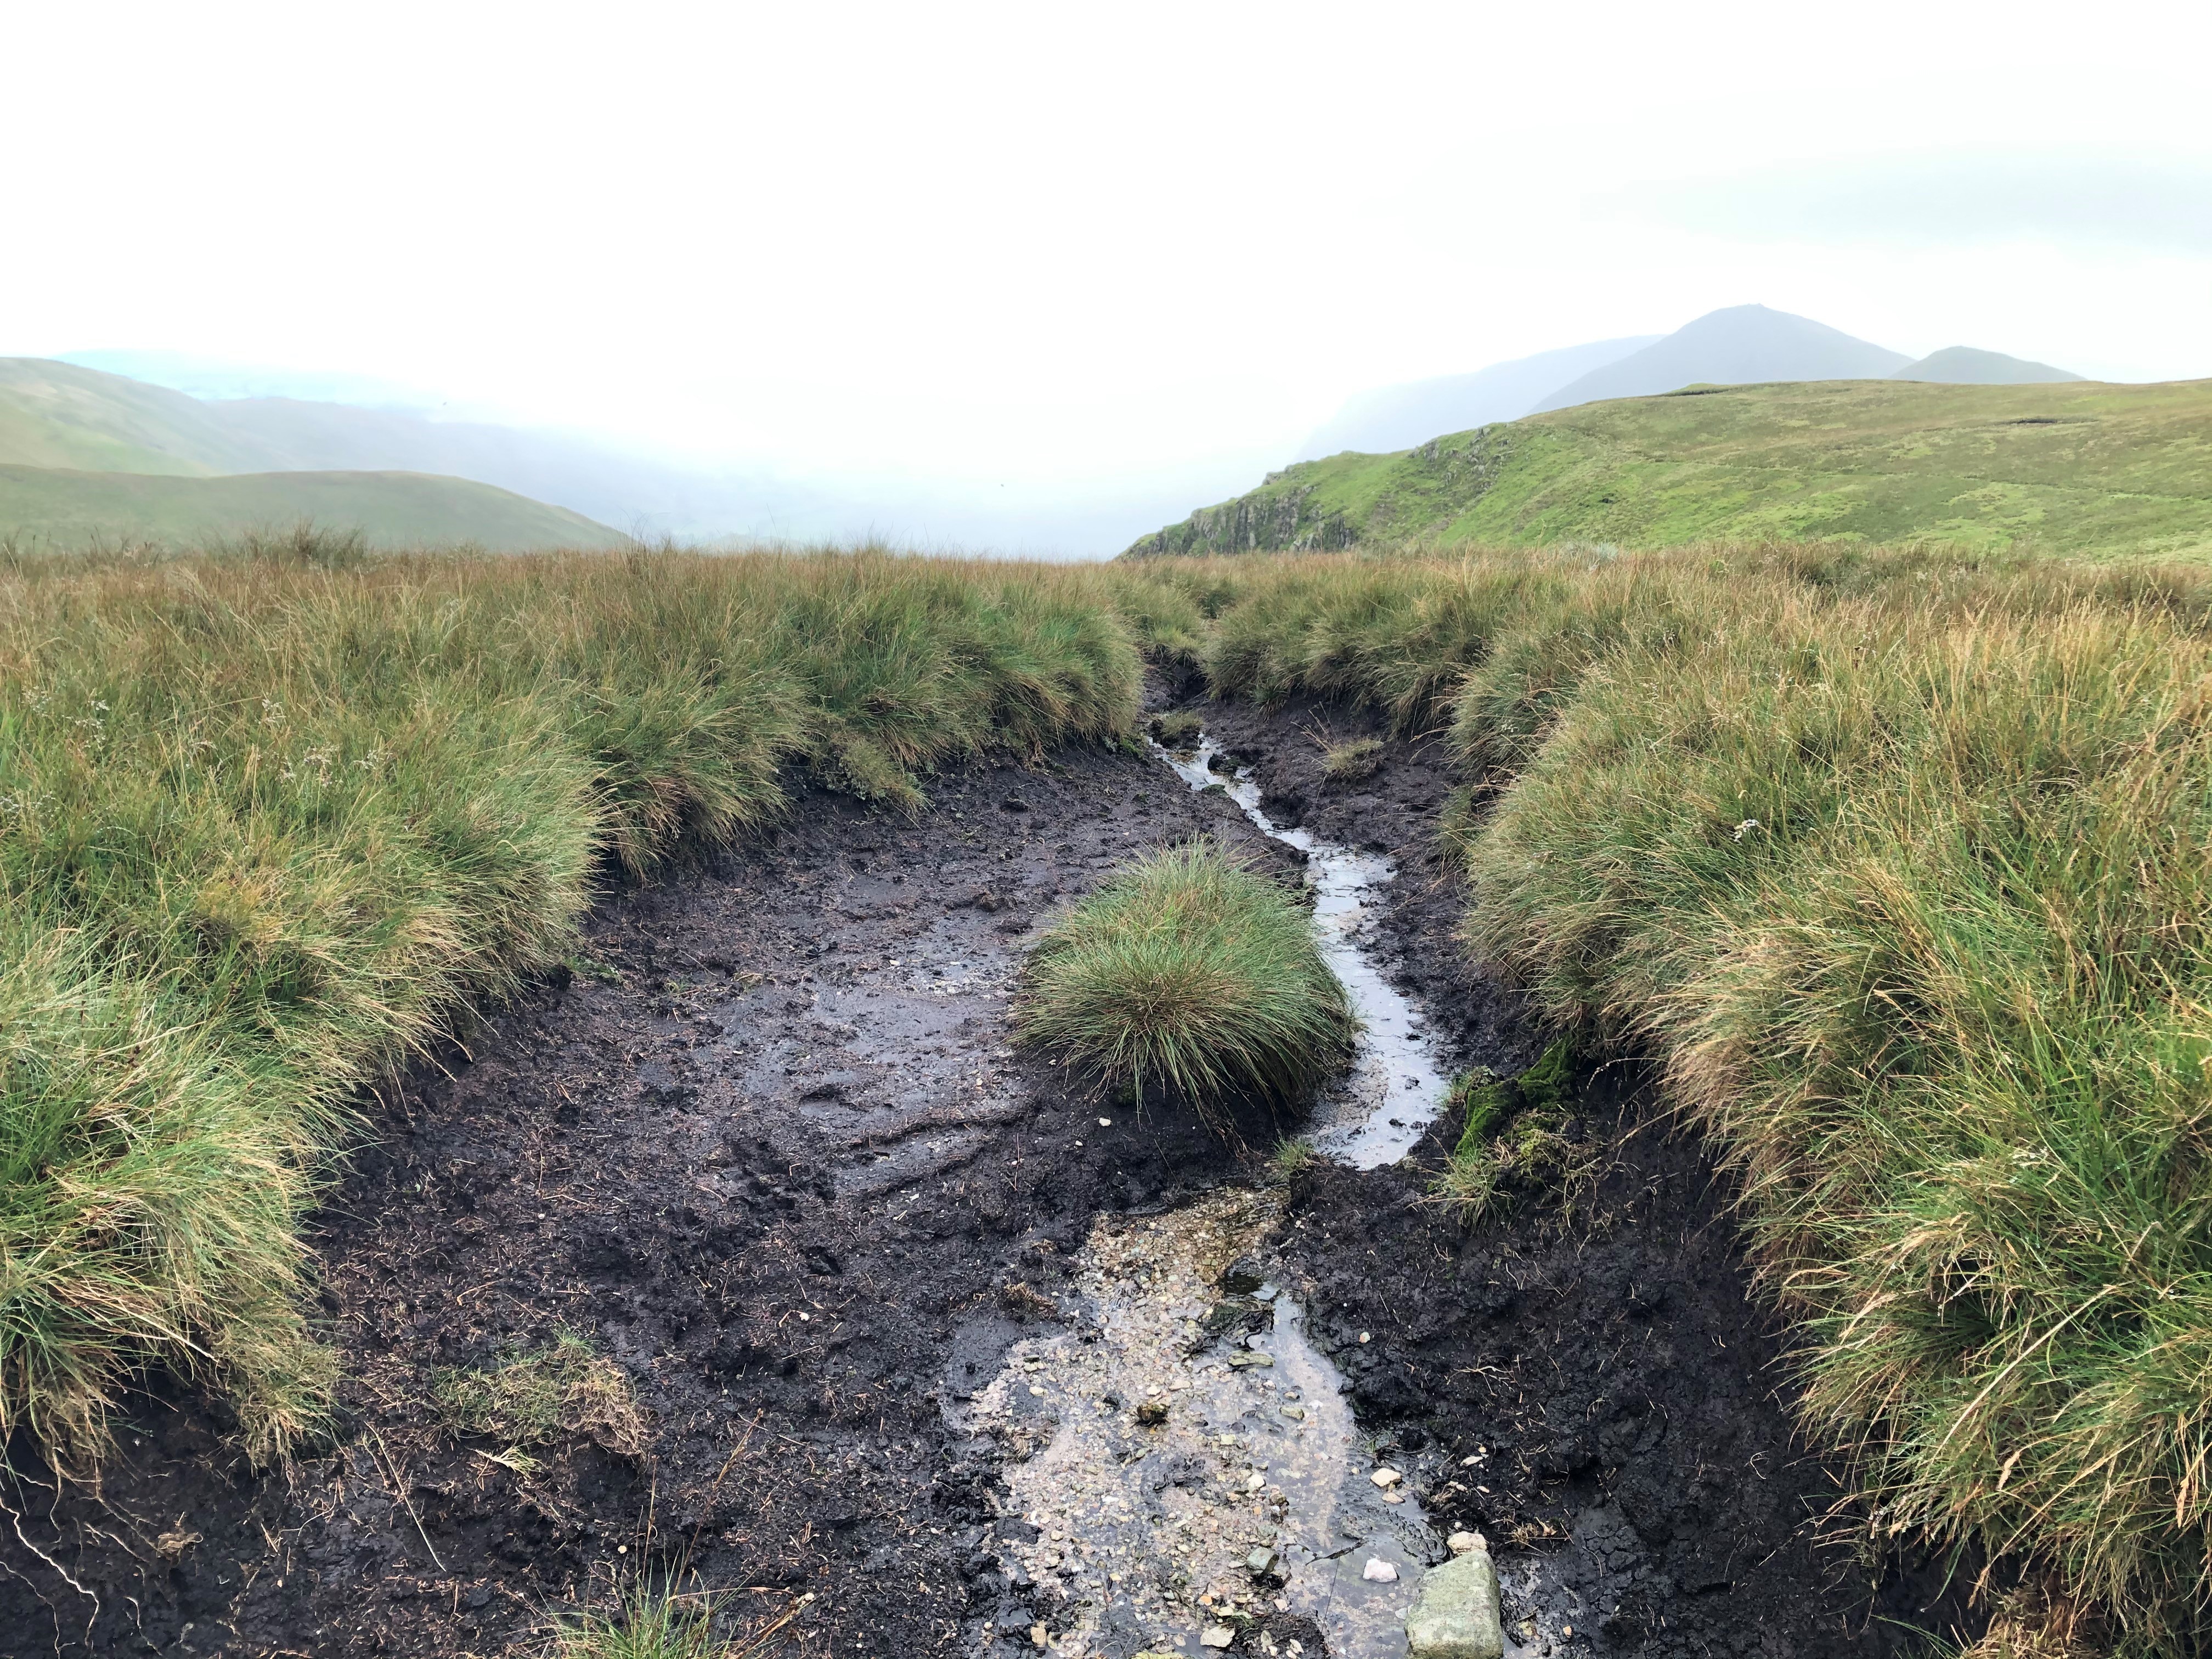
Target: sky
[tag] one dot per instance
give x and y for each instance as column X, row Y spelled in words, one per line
column 1081, row 260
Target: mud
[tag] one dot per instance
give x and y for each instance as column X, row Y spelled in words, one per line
column 768, row 1147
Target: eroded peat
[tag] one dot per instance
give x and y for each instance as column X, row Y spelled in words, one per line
column 770, row 1151
column 766, row 1149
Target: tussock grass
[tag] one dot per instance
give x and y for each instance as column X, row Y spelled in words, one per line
column 1190, row 971
column 1901, row 863
column 273, row 818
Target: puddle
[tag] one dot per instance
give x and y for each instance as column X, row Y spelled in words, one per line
column 1396, row 1085
column 1148, row 1529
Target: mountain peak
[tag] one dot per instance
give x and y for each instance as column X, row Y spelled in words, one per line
column 1737, row 345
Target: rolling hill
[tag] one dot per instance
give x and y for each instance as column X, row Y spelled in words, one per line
column 2081, row 468
column 66, row 509
column 1970, row 366
column 101, row 441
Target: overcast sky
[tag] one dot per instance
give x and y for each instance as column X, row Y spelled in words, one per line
column 1069, row 249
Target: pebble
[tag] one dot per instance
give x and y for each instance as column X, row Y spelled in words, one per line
column 1296, row 1413
column 1216, row 1636
column 1039, row 1634
column 1364, row 1336
column 1386, row 1477
column 1379, row 1572
column 1460, row 1542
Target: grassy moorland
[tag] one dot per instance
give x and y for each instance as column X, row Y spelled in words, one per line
column 1898, row 864
column 2081, row 469
column 266, row 825
column 1901, row 867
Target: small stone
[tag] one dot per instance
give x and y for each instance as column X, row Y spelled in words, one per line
column 1297, row 1413
column 1039, row 1635
column 1364, row 1336
column 1264, row 1563
column 1454, row 1613
column 1460, row 1542
column 1152, row 1413
column 1386, row 1477
column 1379, row 1572
column 1216, row 1636
column 1105, row 1123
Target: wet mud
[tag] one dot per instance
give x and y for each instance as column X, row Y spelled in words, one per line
column 867, row 1269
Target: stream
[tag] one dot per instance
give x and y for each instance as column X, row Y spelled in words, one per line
column 1182, row 1463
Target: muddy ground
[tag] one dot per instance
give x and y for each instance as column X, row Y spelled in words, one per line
column 769, row 1148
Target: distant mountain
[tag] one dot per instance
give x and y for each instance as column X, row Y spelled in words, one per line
column 1400, row 417
column 54, row 413
column 67, row 508
column 1965, row 365
column 2079, row 469
column 1742, row 345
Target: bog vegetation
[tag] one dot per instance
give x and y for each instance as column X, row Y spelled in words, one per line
column 1899, row 865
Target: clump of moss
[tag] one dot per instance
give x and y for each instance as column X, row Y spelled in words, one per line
column 531, row 1397
column 1188, row 969
column 1520, row 1138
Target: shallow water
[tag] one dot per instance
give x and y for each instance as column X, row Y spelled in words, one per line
column 1149, row 1528
column 1396, row 1085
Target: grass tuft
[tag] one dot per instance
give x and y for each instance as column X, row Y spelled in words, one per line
column 527, row 1398
column 1352, row 759
column 1190, row 971
column 1520, row 1138
column 1178, row 729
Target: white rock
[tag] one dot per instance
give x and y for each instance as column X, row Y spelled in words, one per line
column 1216, row 1636
column 1386, row 1478
column 1460, row 1542
column 1379, row 1572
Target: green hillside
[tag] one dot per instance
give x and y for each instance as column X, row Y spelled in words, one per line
column 59, row 415
column 52, row 506
column 2083, row 468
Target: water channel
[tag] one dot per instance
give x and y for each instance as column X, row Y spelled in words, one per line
column 1184, row 1454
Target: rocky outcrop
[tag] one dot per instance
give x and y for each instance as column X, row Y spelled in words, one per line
column 1262, row 522
column 1290, row 514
